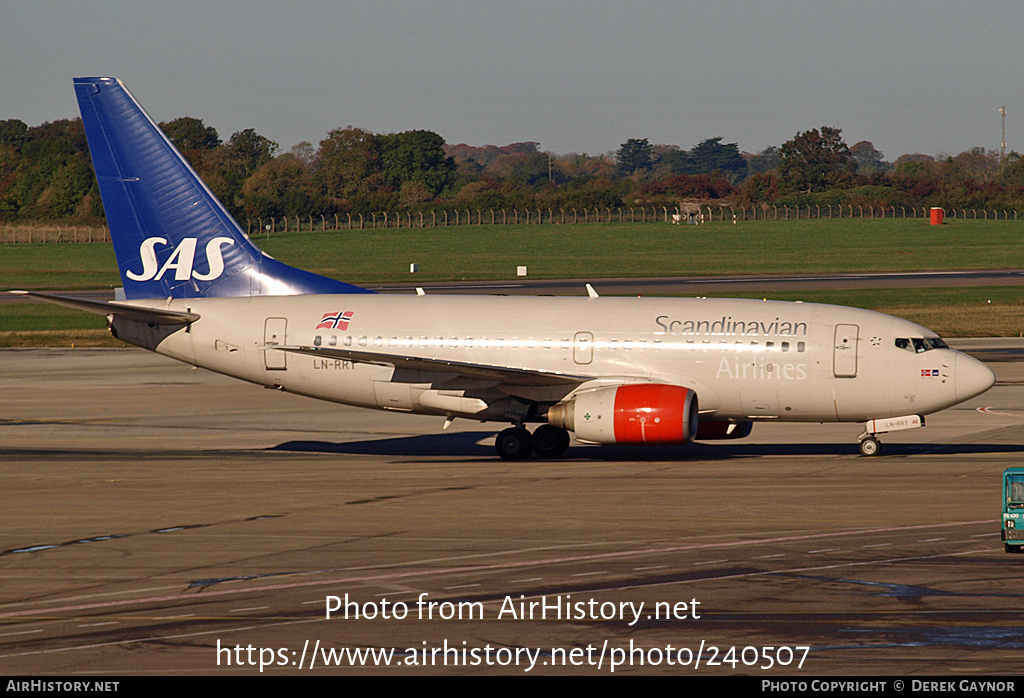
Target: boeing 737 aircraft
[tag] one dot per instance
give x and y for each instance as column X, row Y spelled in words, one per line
column 610, row 370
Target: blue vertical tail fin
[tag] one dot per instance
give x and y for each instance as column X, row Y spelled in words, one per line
column 172, row 237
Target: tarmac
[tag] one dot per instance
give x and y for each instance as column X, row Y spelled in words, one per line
column 160, row 519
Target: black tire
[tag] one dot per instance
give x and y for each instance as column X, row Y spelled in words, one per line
column 550, row 441
column 514, row 444
column 870, row 447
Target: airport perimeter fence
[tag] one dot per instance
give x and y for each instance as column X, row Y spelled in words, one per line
column 445, row 218
column 29, row 233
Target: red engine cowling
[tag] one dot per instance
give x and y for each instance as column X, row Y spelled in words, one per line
column 713, row 429
column 640, row 413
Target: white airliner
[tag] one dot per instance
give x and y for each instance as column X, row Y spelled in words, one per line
column 610, row 370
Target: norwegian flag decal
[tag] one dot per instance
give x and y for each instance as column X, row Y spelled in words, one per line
column 335, row 321
column 926, row 372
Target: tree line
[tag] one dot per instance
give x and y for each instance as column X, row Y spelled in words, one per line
column 46, row 174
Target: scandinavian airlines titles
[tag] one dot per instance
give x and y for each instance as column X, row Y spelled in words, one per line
column 728, row 326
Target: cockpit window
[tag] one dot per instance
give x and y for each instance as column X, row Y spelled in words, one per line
column 919, row 345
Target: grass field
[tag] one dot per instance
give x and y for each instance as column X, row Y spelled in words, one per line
column 580, row 251
column 590, row 251
column 623, row 249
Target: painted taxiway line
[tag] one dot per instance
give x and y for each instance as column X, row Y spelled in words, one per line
column 221, row 631
column 510, row 565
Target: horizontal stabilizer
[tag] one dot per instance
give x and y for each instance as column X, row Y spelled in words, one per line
column 152, row 316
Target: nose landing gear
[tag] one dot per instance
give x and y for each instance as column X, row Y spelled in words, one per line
column 869, row 443
column 870, row 446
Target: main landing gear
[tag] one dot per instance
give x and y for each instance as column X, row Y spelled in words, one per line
column 516, row 443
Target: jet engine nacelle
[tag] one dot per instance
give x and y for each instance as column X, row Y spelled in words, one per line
column 714, row 429
column 640, row 413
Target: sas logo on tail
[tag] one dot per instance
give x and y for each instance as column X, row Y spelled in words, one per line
column 335, row 321
column 181, row 260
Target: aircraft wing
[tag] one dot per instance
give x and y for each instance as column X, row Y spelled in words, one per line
column 153, row 316
column 503, row 374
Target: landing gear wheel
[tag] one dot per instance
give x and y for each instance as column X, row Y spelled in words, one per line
column 870, row 446
column 514, row 444
column 550, row 441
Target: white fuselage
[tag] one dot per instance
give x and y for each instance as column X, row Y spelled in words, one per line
column 745, row 359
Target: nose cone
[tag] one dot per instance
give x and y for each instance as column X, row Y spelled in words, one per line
column 972, row 377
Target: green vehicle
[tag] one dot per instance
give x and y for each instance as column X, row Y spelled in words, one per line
column 1013, row 510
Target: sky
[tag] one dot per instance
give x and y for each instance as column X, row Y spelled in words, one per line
column 577, row 76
